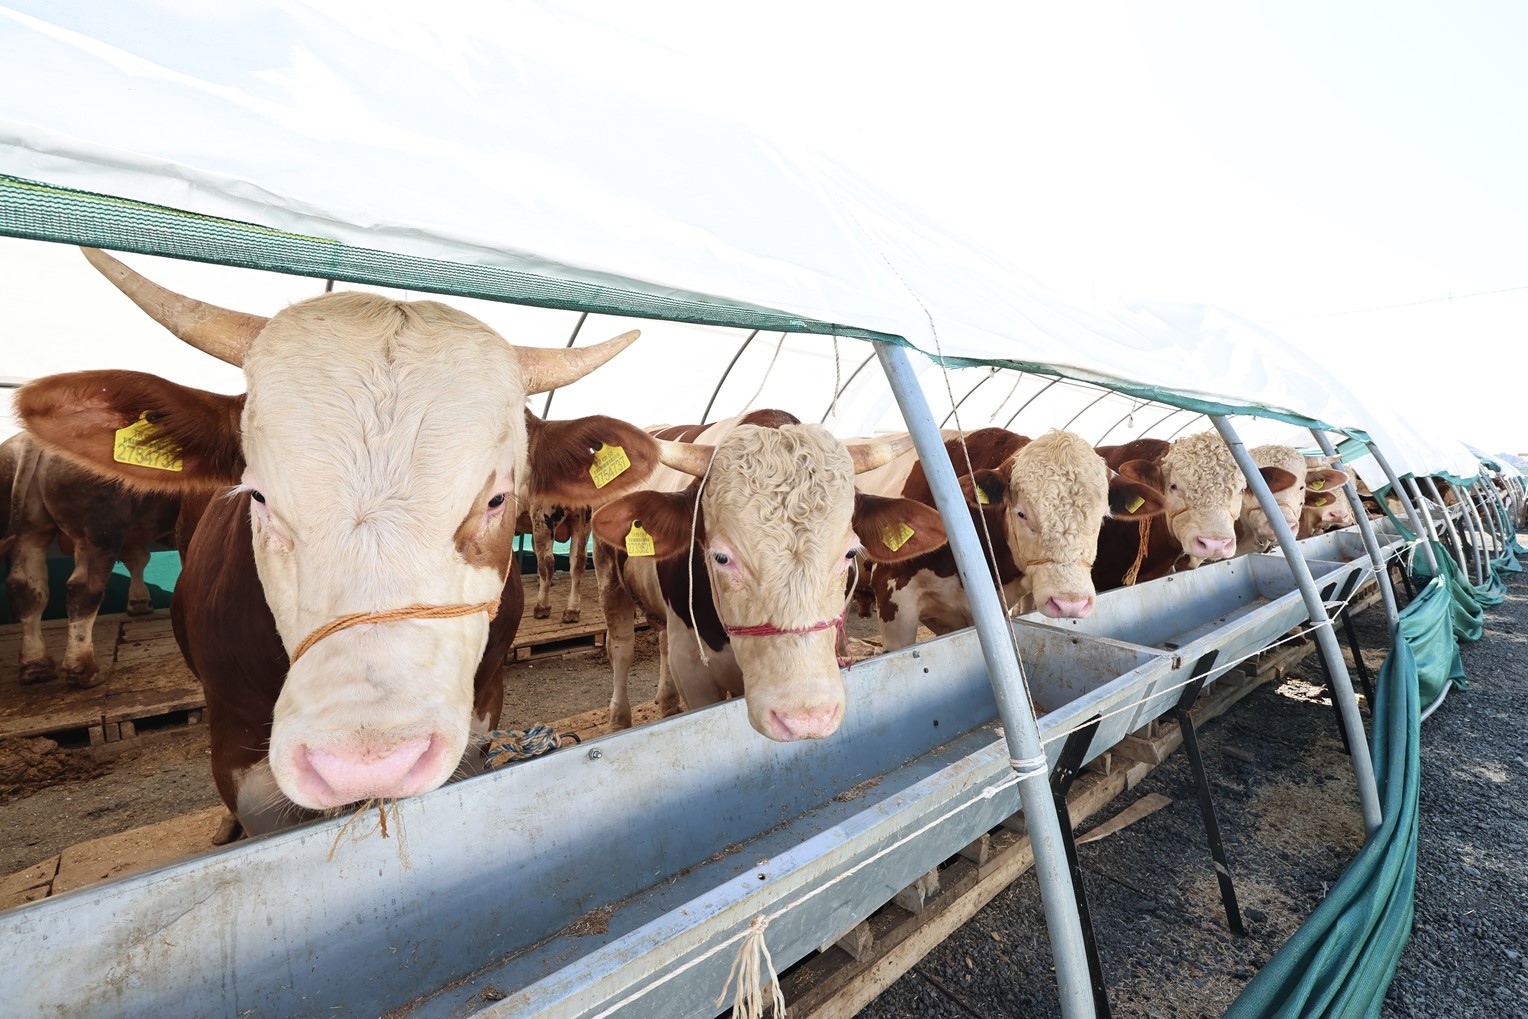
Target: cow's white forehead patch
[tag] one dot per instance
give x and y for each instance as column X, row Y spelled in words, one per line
column 1063, row 484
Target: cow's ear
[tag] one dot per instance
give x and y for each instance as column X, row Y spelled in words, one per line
column 137, row 428
column 1132, row 500
column 1325, row 480
column 587, row 461
column 985, row 488
column 891, row 530
column 1143, row 471
column 648, row 523
column 1278, row 478
column 1319, row 499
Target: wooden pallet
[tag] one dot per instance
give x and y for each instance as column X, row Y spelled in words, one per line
column 146, row 685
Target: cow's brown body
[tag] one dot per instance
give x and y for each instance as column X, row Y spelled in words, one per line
column 44, row 497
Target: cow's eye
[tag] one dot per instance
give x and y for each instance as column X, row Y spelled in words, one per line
column 257, row 496
column 496, row 501
column 1021, row 514
column 851, row 553
column 720, row 558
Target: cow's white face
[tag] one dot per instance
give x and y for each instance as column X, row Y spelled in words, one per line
column 1290, row 500
column 383, row 444
column 1203, row 486
column 1058, row 496
column 779, row 507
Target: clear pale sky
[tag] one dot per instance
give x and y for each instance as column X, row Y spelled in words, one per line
column 1350, row 176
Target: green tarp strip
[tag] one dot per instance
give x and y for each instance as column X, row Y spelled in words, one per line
column 1469, row 601
column 1341, row 960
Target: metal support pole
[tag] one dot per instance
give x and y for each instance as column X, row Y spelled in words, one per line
column 1448, row 522
column 1006, row 672
column 1416, row 519
column 1482, row 550
column 1371, row 543
column 1484, row 503
column 1326, row 638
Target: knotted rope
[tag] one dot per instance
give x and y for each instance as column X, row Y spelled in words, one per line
column 747, row 973
column 507, row 745
column 391, row 615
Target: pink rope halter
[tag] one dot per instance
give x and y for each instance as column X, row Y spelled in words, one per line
column 771, row 630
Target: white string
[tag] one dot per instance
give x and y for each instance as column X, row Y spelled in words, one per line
column 752, row 399
column 984, row 794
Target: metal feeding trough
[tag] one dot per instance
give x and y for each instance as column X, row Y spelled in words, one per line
column 625, row 872
column 621, row 872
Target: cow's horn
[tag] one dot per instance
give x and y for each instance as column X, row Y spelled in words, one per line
column 547, row 368
column 224, row 334
column 690, row 458
column 878, row 452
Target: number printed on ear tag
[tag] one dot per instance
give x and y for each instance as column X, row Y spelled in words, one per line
column 142, row 445
column 638, row 541
column 610, row 462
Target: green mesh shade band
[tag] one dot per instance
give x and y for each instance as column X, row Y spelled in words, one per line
column 44, row 212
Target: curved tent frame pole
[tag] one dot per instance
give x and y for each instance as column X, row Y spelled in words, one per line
column 578, row 327
column 1488, row 506
column 1477, row 524
column 1025, row 405
column 1448, row 522
column 1019, row 727
column 1419, row 527
column 1326, row 638
column 844, row 388
column 1371, row 543
column 705, row 416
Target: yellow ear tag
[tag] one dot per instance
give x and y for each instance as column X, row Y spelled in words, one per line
column 1318, row 484
column 610, row 462
column 638, row 541
column 894, row 537
column 1134, row 504
column 981, row 499
column 140, row 444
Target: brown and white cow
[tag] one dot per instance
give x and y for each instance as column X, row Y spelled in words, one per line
column 1313, row 477
column 1041, row 502
column 1203, row 487
column 347, row 604
column 44, row 497
column 745, row 564
column 1326, row 503
column 550, row 523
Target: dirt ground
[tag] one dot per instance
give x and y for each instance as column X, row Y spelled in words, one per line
column 52, row 797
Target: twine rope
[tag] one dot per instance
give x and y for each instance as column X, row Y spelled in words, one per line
column 1132, row 574
column 392, row 615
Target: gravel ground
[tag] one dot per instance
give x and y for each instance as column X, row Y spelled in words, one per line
column 1285, row 798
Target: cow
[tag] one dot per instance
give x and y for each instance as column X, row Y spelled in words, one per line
column 44, row 497
column 1326, row 505
column 549, row 523
column 745, row 565
column 346, row 595
column 1037, row 506
column 1313, row 477
column 1203, row 487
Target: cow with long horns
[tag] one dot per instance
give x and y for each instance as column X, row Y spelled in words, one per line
column 742, row 557
column 347, row 594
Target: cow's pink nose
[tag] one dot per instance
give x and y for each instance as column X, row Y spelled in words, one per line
column 1212, row 548
column 337, row 776
column 1068, row 608
column 808, row 723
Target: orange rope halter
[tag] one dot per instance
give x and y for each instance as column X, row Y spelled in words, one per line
column 391, row 615
column 1133, row 574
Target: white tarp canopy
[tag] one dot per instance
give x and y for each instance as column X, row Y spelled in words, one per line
column 523, row 136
